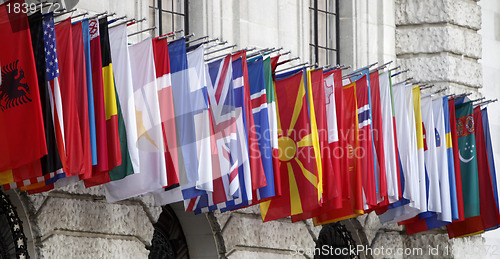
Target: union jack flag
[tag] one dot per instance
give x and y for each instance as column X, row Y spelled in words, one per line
column 224, row 119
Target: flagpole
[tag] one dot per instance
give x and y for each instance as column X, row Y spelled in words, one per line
column 79, row 15
column 145, row 30
column 215, row 51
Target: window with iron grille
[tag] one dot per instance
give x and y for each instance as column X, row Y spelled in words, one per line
column 324, row 32
column 170, row 15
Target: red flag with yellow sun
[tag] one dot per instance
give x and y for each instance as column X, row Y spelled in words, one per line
column 298, row 146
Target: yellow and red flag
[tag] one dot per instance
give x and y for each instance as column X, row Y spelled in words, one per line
column 297, row 152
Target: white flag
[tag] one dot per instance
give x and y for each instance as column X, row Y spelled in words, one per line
column 124, row 88
column 149, row 143
column 430, row 156
column 442, row 160
column 389, row 141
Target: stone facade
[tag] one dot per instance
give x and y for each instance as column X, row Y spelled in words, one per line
column 437, row 39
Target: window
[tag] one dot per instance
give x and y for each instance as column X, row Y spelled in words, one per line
column 170, row 15
column 324, row 30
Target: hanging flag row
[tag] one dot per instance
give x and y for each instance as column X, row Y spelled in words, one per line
column 77, row 102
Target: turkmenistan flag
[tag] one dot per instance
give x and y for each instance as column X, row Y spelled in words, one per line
column 468, row 167
column 299, row 177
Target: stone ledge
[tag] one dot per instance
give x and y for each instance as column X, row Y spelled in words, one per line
column 94, row 217
column 458, row 12
column 269, row 235
column 439, row 38
column 444, row 67
column 62, row 246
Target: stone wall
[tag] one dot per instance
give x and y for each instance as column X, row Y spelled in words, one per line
column 74, row 221
column 438, row 41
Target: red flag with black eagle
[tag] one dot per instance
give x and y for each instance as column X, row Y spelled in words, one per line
column 22, row 132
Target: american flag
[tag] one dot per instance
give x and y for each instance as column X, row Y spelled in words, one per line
column 52, row 68
column 49, row 37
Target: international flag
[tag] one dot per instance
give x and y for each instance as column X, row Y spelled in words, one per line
column 456, row 159
column 90, row 89
column 273, row 121
column 299, row 174
column 352, row 206
column 489, row 149
column 153, row 175
column 378, row 139
column 447, row 196
column 389, row 137
column 257, row 170
column 224, row 118
column 207, row 154
column 122, row 71
column 343, row 151
column 81, row 98
column 259, row 99
column 449, row 154
column 488, row 217
column 239, row 148
column 163, row 78
column 102, row 166
column 52, row 161
column 432, row 178
column 365, row 152
column 72, row 129
column 184, row 119
column 417, row 106
column 406, row 135
column 23, row 140
column 329, row 193
column 113, row 123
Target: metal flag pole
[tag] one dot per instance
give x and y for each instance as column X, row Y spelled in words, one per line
column 141, row 31
column 136, row 21
column 292, row 67
column 216, row 45
column 395, row 68
column 66, row 12
column 400, row 72
column 479, row 99
column 221, row 49
column 170, row 34
column 195, row 40
column 485, row 102
column 120, row 23
column 234, row 52
column 79, row 15
column 460, row 95
column 117, row 19
column 286, row 61
column 381, row 67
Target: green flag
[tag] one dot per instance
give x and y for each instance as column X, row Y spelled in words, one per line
column 468, row 159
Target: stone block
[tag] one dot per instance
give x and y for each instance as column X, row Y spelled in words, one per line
column 471, row 247
column 279, row 234
column 439, row 38
column 432, row 245
column 62, row 246
column 94, row 217
column 458, row 12
column 442, row 68
column 384, row 245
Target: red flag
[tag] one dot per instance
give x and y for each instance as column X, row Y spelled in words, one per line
column 458, row 174
column 330, row 191
column 489, row 216
column 102, row 166
column 73, row 138
column 342, row 152
column 276, row 165
column 298, row 169
column 365, row 152
column 21, row 133
column 81, row 101
column 378, row 137
column 353, row 205
column 165, row 96
column 258, row 175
